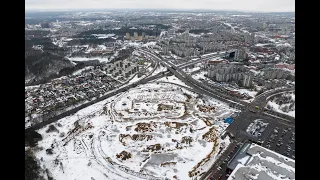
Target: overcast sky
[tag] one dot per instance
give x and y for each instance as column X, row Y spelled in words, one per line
column 240, row 5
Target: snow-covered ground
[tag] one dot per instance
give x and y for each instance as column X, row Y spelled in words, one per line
column 265, row 44
column 285, row 103
column 175, row 56
column 200, row 75
column 154, row 131
column 172, row 79
column 81, row 70
column 101, row 59
column 149, row 44
column 135, row 79
column 277, row 107
column 159, row 69
column 247, row 91
column 190, row 70
column 210, row 54
column 194, row 35
column 140, row 44
column 103, row 36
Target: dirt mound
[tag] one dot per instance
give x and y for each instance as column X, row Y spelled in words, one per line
column 143, row 127
column 124, row 155
column 152, row 148
column 204, row 108
column 176, row 125
column 211, row 135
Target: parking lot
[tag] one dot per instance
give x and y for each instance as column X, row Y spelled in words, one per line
column 220, row 172
column 274, row 134
column 282, row 141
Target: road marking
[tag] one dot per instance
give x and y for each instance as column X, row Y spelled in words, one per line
column 277, row 117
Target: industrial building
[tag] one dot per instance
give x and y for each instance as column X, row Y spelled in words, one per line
column 256, row 162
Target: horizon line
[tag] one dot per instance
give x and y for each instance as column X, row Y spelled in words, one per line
column 152, row 9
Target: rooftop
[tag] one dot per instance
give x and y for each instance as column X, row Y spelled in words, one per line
column 256, row 162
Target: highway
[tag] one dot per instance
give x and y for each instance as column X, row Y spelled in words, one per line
column 248, row 114
column 214, row 91
column 55, row 117
column 192, row 62
column 200, row 87
column 238, row 128
column 262, row 99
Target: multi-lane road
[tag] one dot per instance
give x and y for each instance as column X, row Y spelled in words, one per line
column 238, row 128
column 200, row 87
column 55, row 117
column 276, row 121
column 239, row 136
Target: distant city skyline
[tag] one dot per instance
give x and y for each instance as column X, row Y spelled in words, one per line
column 219, row 5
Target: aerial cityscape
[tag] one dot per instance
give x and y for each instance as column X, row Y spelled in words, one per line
column 159, row 93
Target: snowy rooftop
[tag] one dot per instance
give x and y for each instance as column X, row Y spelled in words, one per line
column 262, row 163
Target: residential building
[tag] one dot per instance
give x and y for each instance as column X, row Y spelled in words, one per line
column 128, row 36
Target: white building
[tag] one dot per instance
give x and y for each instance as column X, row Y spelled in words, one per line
column 230, row 72
column 240, row 54
column 256, row 162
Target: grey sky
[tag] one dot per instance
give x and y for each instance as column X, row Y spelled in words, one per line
column 241, row 5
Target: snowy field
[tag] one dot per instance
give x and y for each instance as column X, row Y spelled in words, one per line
column 159, row 69
column 101, row 59
column 78, row 72
column 200, row 75
column 172, row 79
column 190, row 70
column 283, row 103
column 103, row 36
column 153, row 131
column 140, row 44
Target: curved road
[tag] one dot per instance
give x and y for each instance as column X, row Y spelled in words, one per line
column 244, row 118
column 247, row 108
column 125, row 87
